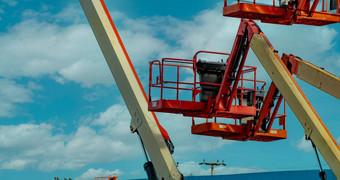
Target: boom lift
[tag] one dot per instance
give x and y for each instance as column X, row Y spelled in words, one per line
column 255, row 121
column 219, row 91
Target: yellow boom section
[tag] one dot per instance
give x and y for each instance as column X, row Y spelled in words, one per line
column 303, row 110
column 122, row 70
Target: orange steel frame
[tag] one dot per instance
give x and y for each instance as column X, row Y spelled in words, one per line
column 297, row 12
column 224, row 105
column 224, row 99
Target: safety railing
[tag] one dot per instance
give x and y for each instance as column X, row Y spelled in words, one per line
column 170, row 77
column 162, row 83
column 195, row 86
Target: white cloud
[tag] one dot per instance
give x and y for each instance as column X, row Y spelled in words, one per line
column 11, row 94
column 22, row 144
column 40, row 146
column 115, row 122
column 34, row 86
column 106, row 118
column 1, row 12
column 18, row 164
column 71, row 10
column 34, row 49
column 136, row 172
column 90, row 174
column 44, row 147
column 193, row 168
column 94, row 95
column 304, row 145
column 79, row 150
column 87, row 73
column 311, row 43
column 336, row 60
column 24, row 136
column 10, row 2
column 208, row 30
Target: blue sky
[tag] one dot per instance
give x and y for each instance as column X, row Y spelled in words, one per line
column 62, row 115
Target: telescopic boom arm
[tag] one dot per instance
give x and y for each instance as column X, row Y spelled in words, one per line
column 314, row 75
column 315, row 129
column 144, row 122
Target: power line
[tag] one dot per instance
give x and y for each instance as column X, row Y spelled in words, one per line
column 212, row 165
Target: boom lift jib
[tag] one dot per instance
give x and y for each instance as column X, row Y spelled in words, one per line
column 314, row 75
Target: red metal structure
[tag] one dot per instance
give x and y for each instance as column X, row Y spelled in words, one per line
column 107, row 178
column 224, row 90
column 292, row 12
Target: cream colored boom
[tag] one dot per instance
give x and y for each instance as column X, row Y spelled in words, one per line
column 303, row 110
column 316, row 76
column 130, row 88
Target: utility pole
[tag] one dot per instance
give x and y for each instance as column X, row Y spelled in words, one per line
column 212, row 165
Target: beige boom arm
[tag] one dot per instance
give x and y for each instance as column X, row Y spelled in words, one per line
column 303, row 110
column 314, row 75
column 122, row 70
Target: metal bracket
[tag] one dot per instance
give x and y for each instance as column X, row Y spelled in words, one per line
column 308, row 130
column 136, row 121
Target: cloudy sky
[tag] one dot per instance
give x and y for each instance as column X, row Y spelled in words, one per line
column 62, row 115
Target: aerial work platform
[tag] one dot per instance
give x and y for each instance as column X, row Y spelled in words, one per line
column 246, row 112
column 202, row 92
column 293, row 12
